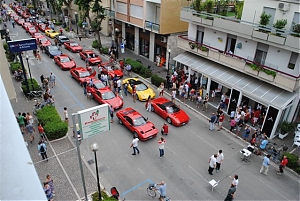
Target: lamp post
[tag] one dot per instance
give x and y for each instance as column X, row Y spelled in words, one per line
column 95, row 147
column 169, row 51
column 76, row 20
column 117, row 31
column 29, row 72
column 112, row 33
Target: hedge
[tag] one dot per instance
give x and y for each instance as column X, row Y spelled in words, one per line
column 54, row 127
column 14, row 66
column 105, row 197
column 95, row 44
column 105, row 50
column 156, row 80
column 33, row 86
column 293, row 161
column 138, row 68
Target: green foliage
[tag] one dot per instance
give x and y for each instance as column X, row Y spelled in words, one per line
column 280, row 24
column 54, row 127
column 192, row 45
column 265, row 19
column 5, row 46
column 95, row 44
column 203, row 48
column 296, row 30
column 156, row 80
column 138, row 68
column 286, row 127
column 105, row 197
column 293, row 161
column 208, row 6
column 197, row 5
column 10, row 56
column 57, row 23
column 15, row 66
column 105, row 50
column 67, row 29
column 254, row 67
column 239, row 5
column 33, row 86
column 269, row 72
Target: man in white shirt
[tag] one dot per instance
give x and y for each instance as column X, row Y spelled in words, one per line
column 235, row 180
column 119, row 83
column 212, row 164
column 220, row 158
column 134, row 145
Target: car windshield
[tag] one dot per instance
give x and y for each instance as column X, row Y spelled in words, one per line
column 91, row 55
column 108, row 95
column 141, row 87
column 172, row 109
column 43, row 40
column 53, row 48
column 84, row 74
column 31, row 29
column 64, row 38
column 65, row 59
column 74, row 44
column 99, row 85
column 139, row 121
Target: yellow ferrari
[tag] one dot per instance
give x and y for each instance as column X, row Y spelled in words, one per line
column 142, row 90
column 51, row 33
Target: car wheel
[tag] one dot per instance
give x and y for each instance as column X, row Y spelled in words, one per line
column 120, row 121
column 137, row 97
column 169, row 120
column 152, row 108
column 135, row 134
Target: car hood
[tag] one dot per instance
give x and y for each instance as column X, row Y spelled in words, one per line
column 181, row 116
column 96, row 59
column 55, row 52
column 146, row 128
column 146, row 93
column 76, row 48
column 116, row 102
column 117, row 72
column 68, row 64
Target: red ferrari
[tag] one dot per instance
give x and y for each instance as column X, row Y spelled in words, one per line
column 92, row 57
column 105, row 95
column 73, row 46
column 32, row 30
column 169, row 111
column 81, row 73
column 64, row 62
column 42, row 27
column 97, row 84
column 25, row 25
column 43, row 42
column 108, row 67
column 20, row 21
column 137, row 124
column 38, row 35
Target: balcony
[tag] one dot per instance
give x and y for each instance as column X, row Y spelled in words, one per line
column 109, row 13
column 267, row 72
column 241, row 28
column 153, row 27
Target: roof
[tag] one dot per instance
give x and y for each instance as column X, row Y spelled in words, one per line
column 251, row 87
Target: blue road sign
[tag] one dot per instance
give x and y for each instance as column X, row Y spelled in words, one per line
column 22, row 45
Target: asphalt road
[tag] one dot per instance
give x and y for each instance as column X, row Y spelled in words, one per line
column 187, row 151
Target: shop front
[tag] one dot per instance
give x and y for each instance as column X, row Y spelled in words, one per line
column 129, row 36
column 144, row 42
column 275, row 104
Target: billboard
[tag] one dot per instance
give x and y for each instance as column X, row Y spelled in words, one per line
column 94, row 121
column 22, row 45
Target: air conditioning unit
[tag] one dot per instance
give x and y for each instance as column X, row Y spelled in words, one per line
column 284, row 6
column 163, row 39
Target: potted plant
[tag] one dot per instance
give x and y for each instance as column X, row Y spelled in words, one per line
column 296, row 30
column 264, row 21
column 285, row 128
column 280, row 24
column 192, row 45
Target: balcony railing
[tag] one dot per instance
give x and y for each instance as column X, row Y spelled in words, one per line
column 151, row 26
column 241, row 28
column 109, row 13
column 266, row 71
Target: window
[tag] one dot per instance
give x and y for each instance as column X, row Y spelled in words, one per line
column 136, row 11
column 261, row 53
column 293, row 60
column 296, row 20
column 122, row 8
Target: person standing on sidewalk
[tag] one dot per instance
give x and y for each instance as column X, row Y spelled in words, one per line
column 30, row 130
column 66, row 115
column 49, row 181
column 52, row 79
column 212, row 122
column 161, row 89
column 265, row 165
column 220, row 158
column 235, row 180
column 212, row 164
column 221, row 119
column 230, row 194
column 42, row 148
column 134, row 145
column 84, row 84
column 111, row 112
column 205, row 103
column 125, row 88
column 282, row 165
column 161, row 144
column 133, row 92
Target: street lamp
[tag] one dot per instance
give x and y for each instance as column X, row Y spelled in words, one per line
column 117, row 31
column 76, row 20
column 95, row 147
column 29, row 72
column 169, row 61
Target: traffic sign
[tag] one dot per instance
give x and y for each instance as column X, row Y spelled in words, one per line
column 22, row 45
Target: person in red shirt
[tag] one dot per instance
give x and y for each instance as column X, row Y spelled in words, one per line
column 221, row 119
column 282, row 165
column 41, row 132
column 256, row 117
column 165, row 129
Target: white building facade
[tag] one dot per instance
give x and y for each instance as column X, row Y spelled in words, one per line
column 253, row 65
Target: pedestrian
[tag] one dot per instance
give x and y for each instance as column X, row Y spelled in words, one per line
column 38, row 56
column 43, row 150
column 115, row 84
column 148, row 105
column 165, row 129
column 84, row 84
column 42, row 78
column 125, row 88
column 230, row 194
column 41, row 132
column 29, row 118
column 235, row 180
column 212, row 164
column 49, row 181
column 282, row 165
column 48, row 191
column 221, row 119
column 239, row 126
column 134, row 145
column 162, row 191
column 232, row 124
column 111, row 111
column 133, row 92
column 220, row 158
column 265, row 165
column 213, row 95
column 119, row 84
column 212, row 122
column 66, row 116
column 205, row 103
column 52, row 79
column 173, row 97
column 161, row 145
column 198, row 101
column 246, row 132
column 30, row 130
column 61, row 31
column 55, row 41
column 161, row 89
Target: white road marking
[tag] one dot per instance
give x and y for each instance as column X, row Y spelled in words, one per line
column 171, row 151
column 140, row 170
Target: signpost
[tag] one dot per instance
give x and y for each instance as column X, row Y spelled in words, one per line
column 19, row 46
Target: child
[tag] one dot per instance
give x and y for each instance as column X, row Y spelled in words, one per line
column 165, row 129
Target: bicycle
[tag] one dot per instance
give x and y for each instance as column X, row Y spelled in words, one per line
column 153, row 191
column 34, row 94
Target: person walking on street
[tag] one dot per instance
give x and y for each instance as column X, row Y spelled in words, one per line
column 148, row 104
column 173, row 97
column 125, row 88
column 161, row 143
column 48, row 191
column 235, row 180
column 49, row 181
column 161, row 89
column 205, row 103
column 282, row 165
column 43, row 150
column 212, row 122
column 265, row 165
column 30, row 130
column 230, row 194
column 133, row 92
column 111, row 111
column 66, row 116
column 220, row 158
column 212, row 164
column 84, row 84
column 21, row 121
column 134, row 145
column 52, row 79
column 41, row 132
column 221, row 119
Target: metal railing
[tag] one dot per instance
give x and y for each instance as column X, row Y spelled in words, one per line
column 152, row 26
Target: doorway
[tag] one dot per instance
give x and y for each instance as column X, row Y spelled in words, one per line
column 230, row 46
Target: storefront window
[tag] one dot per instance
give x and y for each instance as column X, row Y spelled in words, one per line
column 129, row 41
column 144, row 47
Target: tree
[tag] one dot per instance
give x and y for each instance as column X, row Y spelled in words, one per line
column 84, row 6
column 97, row 21
column 67, row 3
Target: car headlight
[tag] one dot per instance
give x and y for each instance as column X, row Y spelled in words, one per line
column 142, row 132
column 153, row 127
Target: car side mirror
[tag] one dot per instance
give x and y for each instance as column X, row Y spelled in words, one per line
column 147, row 118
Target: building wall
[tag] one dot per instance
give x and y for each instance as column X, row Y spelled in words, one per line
column 170, row 17
column 252, row 13
column 248, row 48
column 192, row 31
column 212, row 38
column 275, row 53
